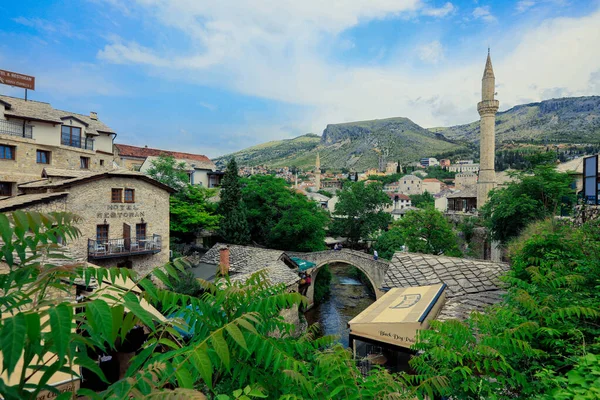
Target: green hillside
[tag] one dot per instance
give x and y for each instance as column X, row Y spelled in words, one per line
column 565, row 120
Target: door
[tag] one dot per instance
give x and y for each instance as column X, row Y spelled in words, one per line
column 127, row 236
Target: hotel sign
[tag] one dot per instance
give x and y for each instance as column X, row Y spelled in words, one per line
column 16, row 79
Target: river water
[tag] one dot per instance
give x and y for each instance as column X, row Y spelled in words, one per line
column 348, row 297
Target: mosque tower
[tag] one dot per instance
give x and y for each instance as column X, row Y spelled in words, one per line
column 318, row 173
column 487, row 108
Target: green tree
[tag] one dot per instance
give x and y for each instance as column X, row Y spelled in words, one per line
column 281, row 218
column 360, row 213
column 234, row 225
column 167, row 170
column 424, row 200
column 191, row 212
column 531, row 197
column 427, row 231
column 389, row 242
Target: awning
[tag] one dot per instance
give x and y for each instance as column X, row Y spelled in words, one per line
column 397, row 316
column 303, row 265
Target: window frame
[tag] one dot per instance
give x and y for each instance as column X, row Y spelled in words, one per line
column 112, row 195
column 70, row 137
column 132, row 191
column 9, row 185
column 98, row 231
column 84, row 162
column 46, row 153
column 138, row 229
column 3, row 150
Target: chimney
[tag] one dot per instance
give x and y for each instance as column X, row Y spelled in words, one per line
column 224, row 260
column 94, row 115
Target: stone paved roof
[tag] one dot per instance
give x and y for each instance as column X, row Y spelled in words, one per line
column 37, row 110
column 468, row 191
column 410, row 177
column 402, row 211
column 126, row 150
column 472, row 284
column 16, row 202
column 246, row 260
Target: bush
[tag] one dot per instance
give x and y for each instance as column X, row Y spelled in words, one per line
column 322, row 284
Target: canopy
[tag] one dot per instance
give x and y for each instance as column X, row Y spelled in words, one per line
column 303, row 264
column 397, row 316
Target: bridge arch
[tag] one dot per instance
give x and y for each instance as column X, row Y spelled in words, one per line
column 374, row 270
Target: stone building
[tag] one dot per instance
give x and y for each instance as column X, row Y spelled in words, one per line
column 432, row 185
column 124, row 215
column 464, row 179
column 464, row 168
column 399, row 201
column 410, row 184
column 34, row 135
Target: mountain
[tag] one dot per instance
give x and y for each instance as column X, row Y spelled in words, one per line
column 353, row 145
column 564, row 120
column 358, row 145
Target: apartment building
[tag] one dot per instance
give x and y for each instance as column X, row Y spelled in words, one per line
column 34, row 135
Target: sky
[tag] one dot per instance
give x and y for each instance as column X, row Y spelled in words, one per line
column 213, row 77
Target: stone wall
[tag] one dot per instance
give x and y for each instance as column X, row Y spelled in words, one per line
column 92, row 203
column 24, row 168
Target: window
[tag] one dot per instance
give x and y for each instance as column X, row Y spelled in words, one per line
column 71, row 136
column 102, row 163
column 140, row 231
column 42, row 157
column 5, row 188
column 7, row 152
column 102, row 233
column 116, row 196
column 129, row 195
column 84, row 162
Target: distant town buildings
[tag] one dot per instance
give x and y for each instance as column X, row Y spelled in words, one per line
column 464, row 167
column 410, row 184
column 432, row 185
column 429, row 162
column 464, row 179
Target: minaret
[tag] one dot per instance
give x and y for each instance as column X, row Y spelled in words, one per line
column 318, row 173
column 487, row 108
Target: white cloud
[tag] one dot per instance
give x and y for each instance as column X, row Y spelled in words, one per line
column 57, row 27
column 484, row 14
column 276, row 52
column 439, row 12
column 524, row 5
column 431, row 53
column 208, row 106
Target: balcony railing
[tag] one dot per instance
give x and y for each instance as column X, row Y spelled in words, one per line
column 124, row 246
column 84, row 143
column 16, row 129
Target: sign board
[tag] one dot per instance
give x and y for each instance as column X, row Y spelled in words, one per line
column 591, row 185
column 16, row 79
column 398, row 315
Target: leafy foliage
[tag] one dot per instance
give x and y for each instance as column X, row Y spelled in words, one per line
column 234, row 225
column 530, row 198
column 191, row 212
column 322, row 284
column 359, row 212
column 424, row 200
column 427, row 231
column 389, row 242
column 167, row 170
column 281, row 218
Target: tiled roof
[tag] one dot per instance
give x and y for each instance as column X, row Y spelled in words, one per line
column 410, row 177
column 574, row 165
column 64, row 173
column 16, row 202
column 401, row 196
column 468, row 191
column 246, row 260
column 431, row 180
column 402, row 211
column 472, row 284
column 37, row 110
column 126, row 150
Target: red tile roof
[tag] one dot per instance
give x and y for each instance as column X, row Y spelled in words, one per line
column 401, row 196
column 431, row 180
column 126, row 150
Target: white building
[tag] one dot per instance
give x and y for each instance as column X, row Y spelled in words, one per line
column 429, row 162
column 464, row 168
column 198, row 170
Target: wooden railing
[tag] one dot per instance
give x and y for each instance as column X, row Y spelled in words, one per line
column 124, row 246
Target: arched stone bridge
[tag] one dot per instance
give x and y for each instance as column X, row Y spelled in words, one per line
column 374, row 270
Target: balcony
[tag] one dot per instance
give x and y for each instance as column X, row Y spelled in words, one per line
column 16, row 129
column 82, row 143
column 122, row 247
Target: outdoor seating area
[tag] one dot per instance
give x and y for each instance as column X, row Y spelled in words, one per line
column 98, row 248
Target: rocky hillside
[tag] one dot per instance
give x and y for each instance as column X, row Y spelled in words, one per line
column 564, row 120
column 354, row 145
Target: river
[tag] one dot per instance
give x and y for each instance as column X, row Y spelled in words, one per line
column 348, row 297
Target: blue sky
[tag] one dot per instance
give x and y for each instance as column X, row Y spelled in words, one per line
column 216, row 76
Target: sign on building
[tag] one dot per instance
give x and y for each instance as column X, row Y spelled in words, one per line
column 16, row 79
column 591, row 183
